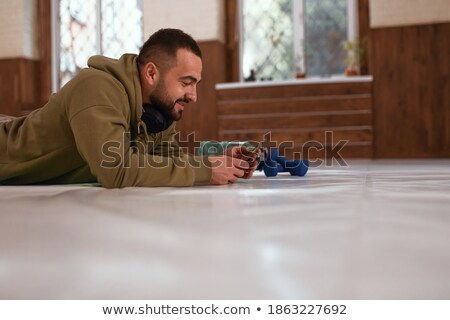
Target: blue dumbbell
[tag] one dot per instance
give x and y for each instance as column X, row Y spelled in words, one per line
column 274, row 164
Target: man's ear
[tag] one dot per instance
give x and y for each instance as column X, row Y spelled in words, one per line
column 151, row 73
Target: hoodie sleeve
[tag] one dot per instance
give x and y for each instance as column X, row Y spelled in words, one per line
column 102, row 140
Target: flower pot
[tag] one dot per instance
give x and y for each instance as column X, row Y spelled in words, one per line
column 351, row 71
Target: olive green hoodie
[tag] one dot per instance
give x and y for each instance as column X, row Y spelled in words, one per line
column 90, row 131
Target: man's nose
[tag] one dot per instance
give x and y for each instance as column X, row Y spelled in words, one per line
column 191, row 95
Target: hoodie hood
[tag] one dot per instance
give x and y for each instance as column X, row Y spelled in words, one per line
column 126, row 71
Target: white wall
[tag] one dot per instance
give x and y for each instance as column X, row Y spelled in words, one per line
column 17, row 28
column 202, row 19
column 387, row 13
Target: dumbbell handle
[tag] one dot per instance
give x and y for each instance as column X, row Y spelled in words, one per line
column 288, row 164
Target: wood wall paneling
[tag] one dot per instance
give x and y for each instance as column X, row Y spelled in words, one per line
column 308, row 120
column 25, row 84
column 296, row 104
column 232, row 38
column 17, row 85
column 294, row 120
column 411, row 67
column 364, row 33
column 296, row 91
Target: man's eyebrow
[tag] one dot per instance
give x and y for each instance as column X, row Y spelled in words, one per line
column 191, row 78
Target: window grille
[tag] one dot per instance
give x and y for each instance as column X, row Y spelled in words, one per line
column 89, row 27
column 281, row 38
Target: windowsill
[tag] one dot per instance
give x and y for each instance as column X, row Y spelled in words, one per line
column 308, row 80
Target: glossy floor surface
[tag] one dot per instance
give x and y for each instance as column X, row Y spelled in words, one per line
column 372, row 230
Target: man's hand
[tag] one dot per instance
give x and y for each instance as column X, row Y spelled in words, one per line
column 227, row 169
column 247, row 155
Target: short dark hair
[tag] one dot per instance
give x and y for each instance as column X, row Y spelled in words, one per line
column 162, row 46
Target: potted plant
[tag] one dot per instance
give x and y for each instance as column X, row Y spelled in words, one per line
column 356, row 51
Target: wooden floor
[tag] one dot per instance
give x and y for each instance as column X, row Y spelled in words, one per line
column 372, row 230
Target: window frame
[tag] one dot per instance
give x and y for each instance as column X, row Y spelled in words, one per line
column 55, row 21
column 234, row 45
column 55, row 39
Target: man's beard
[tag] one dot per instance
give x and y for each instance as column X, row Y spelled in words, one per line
column 166, row 108
column 160, row 101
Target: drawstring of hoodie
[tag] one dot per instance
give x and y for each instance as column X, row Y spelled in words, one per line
column 141, row 124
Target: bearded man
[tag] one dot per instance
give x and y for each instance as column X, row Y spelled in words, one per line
column 114, row 123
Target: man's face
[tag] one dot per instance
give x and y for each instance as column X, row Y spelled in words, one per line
column 178, row 87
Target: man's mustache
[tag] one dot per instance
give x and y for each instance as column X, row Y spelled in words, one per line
column 182, row 100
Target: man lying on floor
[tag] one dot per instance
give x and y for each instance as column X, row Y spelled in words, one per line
column 114, row 124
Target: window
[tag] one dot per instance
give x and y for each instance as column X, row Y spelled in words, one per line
column 88, row 27
column 280, row 38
